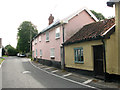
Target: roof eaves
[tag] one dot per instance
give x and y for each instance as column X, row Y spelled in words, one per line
column 79, row 11
column 84, row 40
column 108, row 30
column 91, row 14
column 58, row 22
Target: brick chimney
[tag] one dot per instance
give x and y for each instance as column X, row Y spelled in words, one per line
column 51, row 19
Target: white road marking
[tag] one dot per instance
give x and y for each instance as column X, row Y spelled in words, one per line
column 26, row 72
column 67, row 74
column 42, row 66
column 88, row 81
column 0, row 66
column 48, row 68
column 66, row 78
column 54, row 71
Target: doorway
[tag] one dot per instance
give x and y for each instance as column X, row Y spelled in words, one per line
column 98, row 61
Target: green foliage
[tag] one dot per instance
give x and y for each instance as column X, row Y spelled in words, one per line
column 26, row 32
column 11, row 51
column 98, row 15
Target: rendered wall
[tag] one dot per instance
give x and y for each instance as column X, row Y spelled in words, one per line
column 87, row 54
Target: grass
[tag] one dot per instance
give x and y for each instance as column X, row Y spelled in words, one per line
column 4, row 56
column 1, row 60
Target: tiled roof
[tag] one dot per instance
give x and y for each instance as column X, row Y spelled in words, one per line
column 92, row 31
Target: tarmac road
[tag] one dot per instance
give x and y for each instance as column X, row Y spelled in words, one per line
column 20, row 73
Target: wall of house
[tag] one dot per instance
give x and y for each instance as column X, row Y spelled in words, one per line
column 111, row 55
column 87, row 54
column 46, row 46
column 112, row 63
column 77, row 23
column 113, row 46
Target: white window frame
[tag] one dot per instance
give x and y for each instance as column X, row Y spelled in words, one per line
column 40, row 52
column 52, row 52
column 57, row 33
column 36, row 52
column 36, row 41
column 47, row 36
column 40, row 38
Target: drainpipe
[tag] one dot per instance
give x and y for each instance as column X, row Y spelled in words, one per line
column 63, row 51
column 105, row 74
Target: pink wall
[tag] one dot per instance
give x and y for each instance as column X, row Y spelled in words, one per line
column 71, row 28
column 46, row 46
column 76, row 23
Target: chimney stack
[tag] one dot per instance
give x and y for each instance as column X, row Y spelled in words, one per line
column 51, row 19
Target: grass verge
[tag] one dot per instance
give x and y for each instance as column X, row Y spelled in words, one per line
column 1, row 60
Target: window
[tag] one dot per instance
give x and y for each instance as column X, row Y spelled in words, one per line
column 57, row 33
column 36, row 41
column 47, row 36
column 78, row 52
column 36, row 52
column 52, row 52
column 39, row 38
column 40, row 52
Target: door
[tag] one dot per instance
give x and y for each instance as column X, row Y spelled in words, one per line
column 98, row 60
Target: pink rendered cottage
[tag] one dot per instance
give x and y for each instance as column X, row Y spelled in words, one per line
column 47, row 46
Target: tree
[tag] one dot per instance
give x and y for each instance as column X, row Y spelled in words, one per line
column 98, row 15
column 26, row 31
column 11, row 51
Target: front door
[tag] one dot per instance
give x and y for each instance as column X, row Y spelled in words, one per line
column 98, row 60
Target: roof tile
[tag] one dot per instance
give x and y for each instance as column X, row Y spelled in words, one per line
column 93, row 30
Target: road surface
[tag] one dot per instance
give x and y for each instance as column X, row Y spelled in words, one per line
column 20, row 73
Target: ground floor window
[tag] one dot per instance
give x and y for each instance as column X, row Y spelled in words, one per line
column 40, row 52
column 36, row 52
column 52, row 53
column 78, row 52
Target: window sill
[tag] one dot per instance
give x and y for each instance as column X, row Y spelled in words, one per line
column 57, row 38
column 52, row 57
column 79, row 62
column 47, row 40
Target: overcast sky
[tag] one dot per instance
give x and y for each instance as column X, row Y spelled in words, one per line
column 14, row 12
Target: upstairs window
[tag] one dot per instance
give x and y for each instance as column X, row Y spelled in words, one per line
column 57, row 33
column 78, row 52
column 47, row 36
column 36, row 41
column 39, row 38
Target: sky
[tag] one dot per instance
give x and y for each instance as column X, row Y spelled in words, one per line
column 14, row 12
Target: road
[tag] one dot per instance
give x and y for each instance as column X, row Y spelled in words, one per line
column 20, row 73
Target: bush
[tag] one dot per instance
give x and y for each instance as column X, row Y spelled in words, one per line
column 11, row 51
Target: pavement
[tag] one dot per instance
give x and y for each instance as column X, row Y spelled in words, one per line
column 77, row 78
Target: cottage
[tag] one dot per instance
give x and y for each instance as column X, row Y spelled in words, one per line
column 95, row 48
column 47, row 45
column 0, row 47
